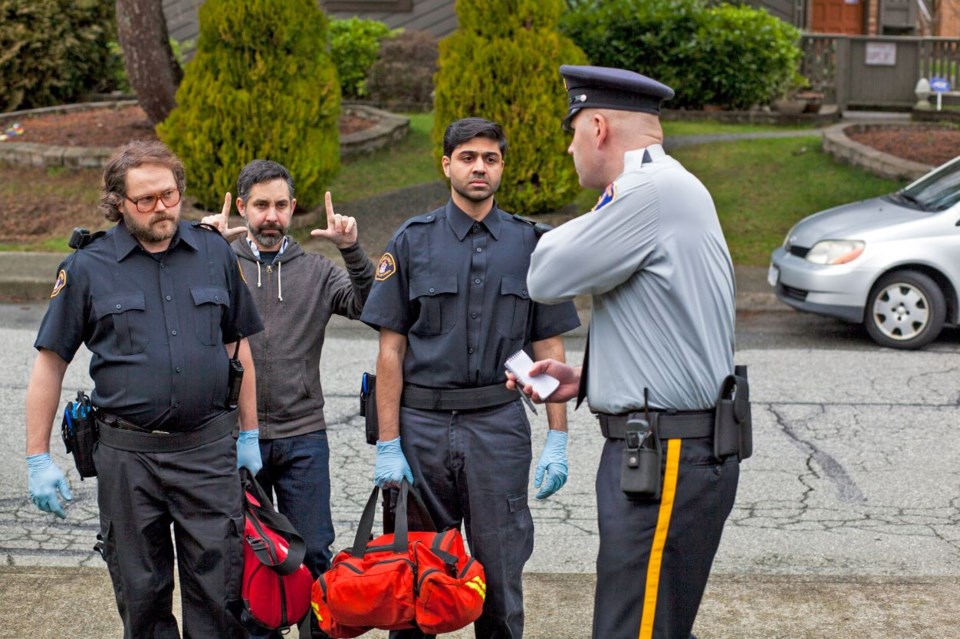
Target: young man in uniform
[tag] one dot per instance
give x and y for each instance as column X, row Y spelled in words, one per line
column 660, row 346
column 451, row 303
column 296, row 293
column 162, row 306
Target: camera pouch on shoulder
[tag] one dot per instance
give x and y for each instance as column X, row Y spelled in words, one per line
column 368, row 407
column 733, row 427
column 640, row 471
column 79, row 433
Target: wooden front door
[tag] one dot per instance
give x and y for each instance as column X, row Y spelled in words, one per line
column 837, row 16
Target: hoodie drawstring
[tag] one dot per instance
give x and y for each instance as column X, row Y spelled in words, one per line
column 258, row 274
column 279, row 281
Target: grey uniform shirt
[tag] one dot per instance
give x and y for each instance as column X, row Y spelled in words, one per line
column 654, row 258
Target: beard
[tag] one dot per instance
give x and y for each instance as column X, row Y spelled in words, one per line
column 265, row 240
column 155, row 229
column 473, row 193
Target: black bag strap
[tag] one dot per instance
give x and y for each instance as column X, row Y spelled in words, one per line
column 402, row 526
column 265, row 514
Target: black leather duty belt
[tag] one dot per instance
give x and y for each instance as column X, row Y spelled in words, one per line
column 456, row 398
column 118, row 433
column 685, row 425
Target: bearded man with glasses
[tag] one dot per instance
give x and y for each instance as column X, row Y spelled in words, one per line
column 162, row 306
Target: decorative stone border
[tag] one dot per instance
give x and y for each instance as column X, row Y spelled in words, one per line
column 837, row 144
column 828, row 113
column 388, row 128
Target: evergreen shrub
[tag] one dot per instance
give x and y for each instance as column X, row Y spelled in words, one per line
column 53, row 52
column 261, row 85
column 708, row 53
column 402, row 76
column 354, row 44
column 503, row 64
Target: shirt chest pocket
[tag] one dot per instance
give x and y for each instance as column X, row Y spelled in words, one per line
column 210, row 302
column 437, row 298
column 514, row 308
column 127, row 314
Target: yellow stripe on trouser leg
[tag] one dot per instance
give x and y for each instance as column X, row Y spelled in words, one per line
column 660, row 538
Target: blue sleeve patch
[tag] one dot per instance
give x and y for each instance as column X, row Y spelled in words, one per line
column 609, row 195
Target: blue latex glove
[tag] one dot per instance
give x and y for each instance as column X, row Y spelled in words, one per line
column 552, row 467
column 46, row 480
column 391, row 467
column 248, row 451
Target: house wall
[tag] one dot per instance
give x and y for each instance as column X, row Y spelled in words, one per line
column 948, row 24
column 436, row 16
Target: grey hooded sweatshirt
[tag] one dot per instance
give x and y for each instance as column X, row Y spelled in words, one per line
column 296, row 296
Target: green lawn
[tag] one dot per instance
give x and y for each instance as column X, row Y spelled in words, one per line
column 762, row 187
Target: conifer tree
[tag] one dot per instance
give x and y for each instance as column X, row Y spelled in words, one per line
column 261, row 85
column 503, row 64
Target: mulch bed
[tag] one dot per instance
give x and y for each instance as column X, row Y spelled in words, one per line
column 927, row 145
column 112, row 127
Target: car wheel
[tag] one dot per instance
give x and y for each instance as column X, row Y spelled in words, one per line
column 905, row 309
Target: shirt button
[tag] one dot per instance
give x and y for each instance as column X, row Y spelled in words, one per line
column 479, row 250
column 433, row 290
column 173, row 332
column 473, row 315
column 179, row 369
column 119, row 307
column 169, row 298
column 470, row 350
column 176, row 405
column 162, row 266
column 524, row 292
column 476, row 281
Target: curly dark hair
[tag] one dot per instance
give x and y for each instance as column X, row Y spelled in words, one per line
column 131, row 156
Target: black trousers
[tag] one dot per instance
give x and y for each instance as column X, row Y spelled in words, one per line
column 655, row 556
column 473, row 467
column 197, row 492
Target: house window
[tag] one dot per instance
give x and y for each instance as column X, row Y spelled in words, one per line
column 368, row 5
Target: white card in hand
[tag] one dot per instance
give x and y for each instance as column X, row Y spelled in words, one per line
column 520, row 364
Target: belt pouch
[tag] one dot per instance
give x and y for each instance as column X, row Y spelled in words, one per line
column 79, row 432
column 640, row 470
column 733, row 425
column 368, row 407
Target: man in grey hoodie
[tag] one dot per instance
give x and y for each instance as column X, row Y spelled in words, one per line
column 296, row 293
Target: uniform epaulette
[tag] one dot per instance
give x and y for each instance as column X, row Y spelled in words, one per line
column 426, row 218
column 82, row 237
column 538, row 227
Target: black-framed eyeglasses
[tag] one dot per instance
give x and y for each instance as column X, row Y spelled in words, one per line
column 148, row 203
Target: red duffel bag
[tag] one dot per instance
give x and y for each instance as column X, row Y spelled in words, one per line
column 419, row 579
column 276, row 584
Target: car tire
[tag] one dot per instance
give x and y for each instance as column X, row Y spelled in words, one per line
column 906, row 310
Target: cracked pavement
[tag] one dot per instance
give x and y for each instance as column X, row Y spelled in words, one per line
column 853, row 478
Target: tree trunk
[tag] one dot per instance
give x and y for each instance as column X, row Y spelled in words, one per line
column 151, row 67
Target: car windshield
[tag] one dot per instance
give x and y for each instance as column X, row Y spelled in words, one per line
column 937, row 191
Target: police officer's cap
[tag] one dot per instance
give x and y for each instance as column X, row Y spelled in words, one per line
column 607, row 88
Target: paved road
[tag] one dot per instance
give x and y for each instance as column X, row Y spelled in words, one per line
column 846, row 523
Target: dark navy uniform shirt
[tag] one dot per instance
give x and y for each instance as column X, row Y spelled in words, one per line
column 458, row 290
column 155, row 323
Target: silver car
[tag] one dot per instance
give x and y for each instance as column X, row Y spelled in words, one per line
column 891, row 262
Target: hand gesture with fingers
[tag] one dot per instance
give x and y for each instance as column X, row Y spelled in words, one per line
column 341, row 229
column 220, row 222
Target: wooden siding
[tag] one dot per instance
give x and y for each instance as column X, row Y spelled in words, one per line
column 436, row 16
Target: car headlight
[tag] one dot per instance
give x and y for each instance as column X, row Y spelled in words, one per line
column 835, row 251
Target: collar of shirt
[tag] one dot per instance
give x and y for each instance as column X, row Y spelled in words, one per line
column 461, row 223
column 126, row 243
column 633, row 160
column 256, row 251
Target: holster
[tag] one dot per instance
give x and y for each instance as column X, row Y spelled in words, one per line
column 733, row 425
column 368, row 407
column 79, row 432
column 641, row 475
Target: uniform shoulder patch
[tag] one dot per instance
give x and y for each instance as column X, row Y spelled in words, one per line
column 59, row 284
column 609, row 195
column 386, row 267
